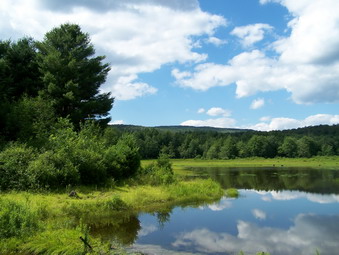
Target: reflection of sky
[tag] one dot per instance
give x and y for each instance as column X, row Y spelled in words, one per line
column 308, row 234
column 277, row 222
column 289, row 195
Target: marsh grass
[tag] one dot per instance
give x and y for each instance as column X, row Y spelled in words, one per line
column 233, row 193
column 51, row 223
column 181, row 166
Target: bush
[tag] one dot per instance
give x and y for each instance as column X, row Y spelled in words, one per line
column 16, row 219
column 14, row 161
column 52, row 170
column 158, row 173
column 117, row 204
column 123, row 160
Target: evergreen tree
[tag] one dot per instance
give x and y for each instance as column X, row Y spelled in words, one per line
column 72, row 75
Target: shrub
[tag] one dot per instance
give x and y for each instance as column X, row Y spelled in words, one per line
column 158, row 173
column 116, row 203
column 123, row 160
column 52, row 169
column 14, row 161
column 16, row 219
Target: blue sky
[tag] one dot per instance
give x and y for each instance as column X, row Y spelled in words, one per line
column 261, row 64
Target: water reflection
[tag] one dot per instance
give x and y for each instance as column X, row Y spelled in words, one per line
column 285, row 220
column 308, row 233
column 274, row 178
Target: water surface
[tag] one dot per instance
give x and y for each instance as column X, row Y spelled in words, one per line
column 281, row 211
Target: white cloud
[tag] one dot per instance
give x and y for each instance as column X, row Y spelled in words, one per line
column 219, row 122
column 201, row 110
column 223, row 122
column 257, row 103
column 126, row 88
column 265, row 118
column 116, row 122
column 127, row 32
column 217, row 111
column 216, row 41
column 289, row 123
column 251, row 34
column 306, row 64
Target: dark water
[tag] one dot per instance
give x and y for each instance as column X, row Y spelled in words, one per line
column 281, row 211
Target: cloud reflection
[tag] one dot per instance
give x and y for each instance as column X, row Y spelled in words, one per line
column 308, row 234
column 259, row 214
column 291, row 195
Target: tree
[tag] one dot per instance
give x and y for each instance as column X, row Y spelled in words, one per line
column 19, row 76
column 72, row 75
column 289, row 147
column 307, row 147
column 19, row 73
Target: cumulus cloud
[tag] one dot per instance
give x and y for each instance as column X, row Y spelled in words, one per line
column 306, row 62
column 116, row 122
column 219, row 123
column 251, row 34
column 217, row 111
column 201, row 110
column 127, row 88
column 216, row 41
column 257, row 103
column 309, row 232
column 222, row 122
column 127, row 32
column 289, row 123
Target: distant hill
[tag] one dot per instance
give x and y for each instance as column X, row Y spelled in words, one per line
column 332, row 130
column 123, row 127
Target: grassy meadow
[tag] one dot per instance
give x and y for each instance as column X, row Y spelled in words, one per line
column 180, row 166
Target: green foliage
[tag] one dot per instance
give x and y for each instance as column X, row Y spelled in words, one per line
column 122, row 160
column 158, row 173
column 72, row 75
column 14, row 161
column 289, row 147
column 30, row 120
column 16, row 219
column 52, row 170
column 231, row 192
column 116, row 203
column 307, row 147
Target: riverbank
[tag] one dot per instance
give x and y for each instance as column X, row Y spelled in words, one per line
column 52, row 223
column 180, row 166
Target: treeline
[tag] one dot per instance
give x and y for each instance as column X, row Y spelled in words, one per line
column 302, row 142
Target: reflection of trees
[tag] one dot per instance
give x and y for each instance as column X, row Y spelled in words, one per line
column 125, row 226
column 280, row 178
column 122, row 227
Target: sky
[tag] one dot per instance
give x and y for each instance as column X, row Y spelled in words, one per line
column 259, row 64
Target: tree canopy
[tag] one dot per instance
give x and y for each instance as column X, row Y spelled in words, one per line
column 72, row 75
column 41, row 81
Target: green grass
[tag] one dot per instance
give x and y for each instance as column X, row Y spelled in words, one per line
column 54, row 221
column 180, row 166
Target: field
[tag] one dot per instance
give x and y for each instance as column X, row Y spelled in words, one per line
column 180, row 165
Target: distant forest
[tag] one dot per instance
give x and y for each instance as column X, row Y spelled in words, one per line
column 213, row 143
